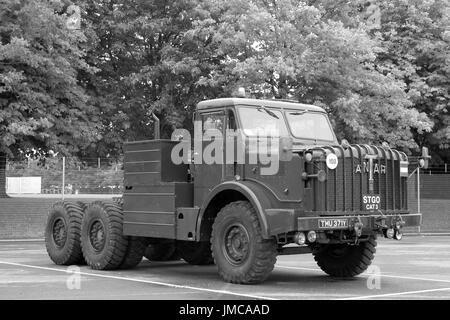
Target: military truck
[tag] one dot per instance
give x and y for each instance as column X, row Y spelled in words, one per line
column 327, row 198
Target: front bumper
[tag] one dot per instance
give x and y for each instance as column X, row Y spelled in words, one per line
column 369, row 222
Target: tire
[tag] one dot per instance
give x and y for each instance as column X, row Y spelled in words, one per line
column 135, row 252
column 118, row 200
column 343, row 260
column 102, row 241
column 62, row 233
column 83, row 205
column 195, row 253
column 176, row 256
column 240, row 252
column 165, row 251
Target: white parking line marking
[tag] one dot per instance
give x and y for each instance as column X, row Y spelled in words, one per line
column 394, row 294
column 381, row 275
column 21, row 240
column 145, row 281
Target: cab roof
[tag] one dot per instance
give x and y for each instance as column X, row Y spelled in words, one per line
column 280, row 104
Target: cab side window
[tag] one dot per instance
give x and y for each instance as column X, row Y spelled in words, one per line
column 231, row 120
column 212, row 121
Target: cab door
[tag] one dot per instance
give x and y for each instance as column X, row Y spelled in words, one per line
column 208, row 153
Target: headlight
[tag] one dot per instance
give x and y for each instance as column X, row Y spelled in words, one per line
column 312, row 236
column 300, row 238
column 308, row 157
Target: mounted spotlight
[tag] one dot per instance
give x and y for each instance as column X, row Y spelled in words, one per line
column 385, row 145
column 345, row 144
column 240, row 93
column 424, row 158
column 321, row 176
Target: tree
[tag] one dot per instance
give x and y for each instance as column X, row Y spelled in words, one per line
column 288, row 49
column 165, row 56
column 415, row 40
column 43, row 106
column 135, row 45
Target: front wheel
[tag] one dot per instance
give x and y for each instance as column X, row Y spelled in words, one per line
column 240, row 252
column 345, row 260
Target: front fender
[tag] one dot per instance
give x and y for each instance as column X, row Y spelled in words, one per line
column 256, row 195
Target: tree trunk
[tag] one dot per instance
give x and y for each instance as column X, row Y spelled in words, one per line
column 3, row 176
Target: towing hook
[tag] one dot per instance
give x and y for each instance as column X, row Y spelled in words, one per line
column 381, row 220
column 358, row 226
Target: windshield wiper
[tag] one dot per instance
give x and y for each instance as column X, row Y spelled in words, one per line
column 270, row 113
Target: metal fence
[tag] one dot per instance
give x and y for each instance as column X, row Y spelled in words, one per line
column 443, row 169
column 64, row 176
column 90, row 176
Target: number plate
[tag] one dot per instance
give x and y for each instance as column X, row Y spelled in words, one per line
column 371, row 202
column 333, row 223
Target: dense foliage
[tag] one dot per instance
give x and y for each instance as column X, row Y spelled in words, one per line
column 166, row 56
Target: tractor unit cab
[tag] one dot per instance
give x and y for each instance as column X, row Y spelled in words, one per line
column 258, row 178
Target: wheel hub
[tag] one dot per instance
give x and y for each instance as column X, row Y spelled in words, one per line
column 97, row 236
column 236, row 244
column 59, row 233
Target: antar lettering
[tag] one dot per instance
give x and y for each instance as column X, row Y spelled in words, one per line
column 365, row 167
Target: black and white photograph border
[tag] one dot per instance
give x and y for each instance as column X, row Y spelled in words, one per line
column 224, row 150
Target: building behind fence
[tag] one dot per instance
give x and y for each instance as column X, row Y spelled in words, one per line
column 98, row 176
column 105, row 176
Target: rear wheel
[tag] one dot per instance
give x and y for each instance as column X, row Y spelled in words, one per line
column 345, row 260
column 196, row 253
column 62, row 233
column 135, row 252
column 240, row 252
column 164, row 251
column 82, row 205
column 103, row 243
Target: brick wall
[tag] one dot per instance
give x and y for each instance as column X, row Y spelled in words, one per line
column 435, row 186
column 436, row 215
column 25, row 218
column 434, row 201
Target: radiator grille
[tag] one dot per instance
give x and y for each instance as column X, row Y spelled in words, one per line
column 345, row 185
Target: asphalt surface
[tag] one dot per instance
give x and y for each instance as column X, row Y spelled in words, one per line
column 418, row 267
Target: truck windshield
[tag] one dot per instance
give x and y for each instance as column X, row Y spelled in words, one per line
column 262, row 121
column 310, row 125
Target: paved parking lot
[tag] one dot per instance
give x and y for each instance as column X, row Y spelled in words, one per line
column 417, row 267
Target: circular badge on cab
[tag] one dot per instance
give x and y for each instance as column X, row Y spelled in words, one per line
column 332, row 161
